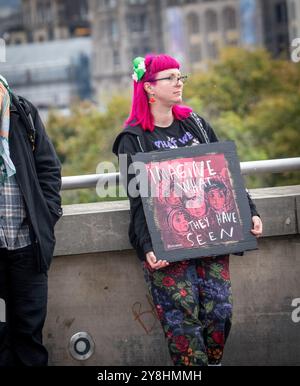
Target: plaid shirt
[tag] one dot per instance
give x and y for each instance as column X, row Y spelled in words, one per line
column 14, row 229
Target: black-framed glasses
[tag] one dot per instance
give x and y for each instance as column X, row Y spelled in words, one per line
column 173, row 79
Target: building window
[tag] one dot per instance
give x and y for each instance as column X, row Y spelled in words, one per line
column 193, row 23
column 61, row 12
column 281, row 13
column 44, row 11
column 140, row 51
column 116, row 58
column 212, row 50
column 211, row 22
column 83, row 11
column 137, row 22
column 112, row 29
column 195, row 53
column 292, row 10
column 229, row 18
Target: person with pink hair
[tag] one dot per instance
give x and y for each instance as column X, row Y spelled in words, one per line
column 192, row 297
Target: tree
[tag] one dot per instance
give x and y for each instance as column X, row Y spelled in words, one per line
column 254, row 100
column 84, row 138
column 247, row 96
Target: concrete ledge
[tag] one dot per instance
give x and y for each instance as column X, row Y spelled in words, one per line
column 100, row 227
column 96, row 227
column 105, row 294
column 96, row 285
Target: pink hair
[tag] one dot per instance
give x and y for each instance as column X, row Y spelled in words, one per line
column 140, row 109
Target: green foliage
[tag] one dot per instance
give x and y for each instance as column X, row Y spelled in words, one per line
column 254, row 100
column 247, row 97
column 84, row 138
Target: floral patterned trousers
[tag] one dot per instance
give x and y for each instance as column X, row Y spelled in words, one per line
column 193, row 301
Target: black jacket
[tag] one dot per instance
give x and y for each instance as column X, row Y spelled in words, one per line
column 38, row 174
column 131, row 141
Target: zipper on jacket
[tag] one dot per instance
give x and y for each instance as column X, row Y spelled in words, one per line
column 140, row 144
column 35, row 243
column 200, row 127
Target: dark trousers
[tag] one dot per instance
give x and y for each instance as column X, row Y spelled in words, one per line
column 24, row 291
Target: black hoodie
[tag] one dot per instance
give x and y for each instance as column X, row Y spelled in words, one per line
column 133, row 140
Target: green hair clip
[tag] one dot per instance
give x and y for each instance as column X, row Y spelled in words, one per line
column 139, row 68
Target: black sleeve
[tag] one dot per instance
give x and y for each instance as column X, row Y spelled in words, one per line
column 48, row 167
column 139, row 234
column 253, row 209
column 213, row 138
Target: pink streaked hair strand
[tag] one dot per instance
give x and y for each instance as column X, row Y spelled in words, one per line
column 140, row 110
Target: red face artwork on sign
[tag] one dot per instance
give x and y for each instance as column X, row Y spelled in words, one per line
column 198, row 205
column 216, row 199
column 194, row 204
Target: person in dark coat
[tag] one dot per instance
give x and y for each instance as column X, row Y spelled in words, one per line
column 30, row 205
